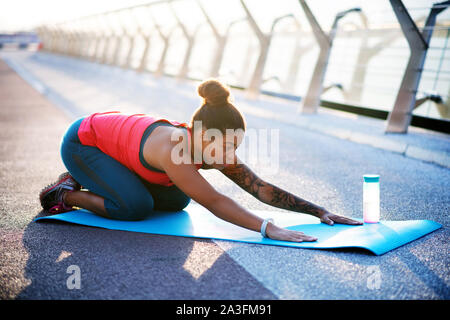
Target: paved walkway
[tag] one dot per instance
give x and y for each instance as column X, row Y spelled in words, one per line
column 317, row 166
column 34, row 257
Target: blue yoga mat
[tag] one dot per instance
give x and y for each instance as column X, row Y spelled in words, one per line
column 196, row 221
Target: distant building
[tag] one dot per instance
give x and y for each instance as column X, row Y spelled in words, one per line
column 19, row 41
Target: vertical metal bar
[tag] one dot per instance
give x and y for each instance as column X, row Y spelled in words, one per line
column 119, row 43
column 97, row 37
column 190, row 38
column 162, row 60
column 311, row 101
column 366, row 53
column 54, row 43
column 438, row 73
column 264, row 43
column 294, row 64
column 129, row 59
column 71, row 42
column 58, row 32
column 97, row 40
column 400, row 116
column 127, row 62
column 264, row 46
column 108, row 41
column 312, row 98
column 62, row 40
column 144, row 58
column 221, row 42
column 217, row 59
column 247, row 60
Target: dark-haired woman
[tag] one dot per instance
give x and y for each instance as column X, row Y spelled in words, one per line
column 130, row 165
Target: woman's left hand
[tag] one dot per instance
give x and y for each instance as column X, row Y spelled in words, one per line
column 331, row 219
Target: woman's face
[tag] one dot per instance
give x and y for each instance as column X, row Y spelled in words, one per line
column 219, row 150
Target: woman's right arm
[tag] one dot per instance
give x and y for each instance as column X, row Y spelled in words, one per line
column 190, row 181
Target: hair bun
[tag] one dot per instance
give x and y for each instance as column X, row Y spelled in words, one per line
column 213, row 92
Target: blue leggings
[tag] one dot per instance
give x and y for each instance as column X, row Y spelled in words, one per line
column 127, row 195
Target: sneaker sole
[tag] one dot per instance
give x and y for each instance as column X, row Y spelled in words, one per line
column 62, row 177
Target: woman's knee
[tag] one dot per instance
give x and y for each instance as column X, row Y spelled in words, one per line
column 181, row 202
column 175, row 202
column 132, row 211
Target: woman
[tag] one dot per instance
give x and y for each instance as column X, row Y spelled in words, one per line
column 131, row 165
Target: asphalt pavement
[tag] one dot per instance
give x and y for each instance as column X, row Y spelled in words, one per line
column 40, row 94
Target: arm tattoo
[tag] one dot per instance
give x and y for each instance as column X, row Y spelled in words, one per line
column 268, row 193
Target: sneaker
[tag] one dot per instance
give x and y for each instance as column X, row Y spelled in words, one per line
column 51, row 197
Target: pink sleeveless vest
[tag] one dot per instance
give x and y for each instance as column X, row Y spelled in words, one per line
column 119, row 135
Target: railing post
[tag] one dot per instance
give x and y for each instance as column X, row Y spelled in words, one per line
column 147, row 39
column 128, row 61
column 61, row 42
column 70, row 49
column 221, row 42
column 144, row 59
column 312, row 98
column 165, row 38
column 43, row 34
column 400, row 116
column 65, row 40
column 84, row 43
column 55, row 39
column 104, row 39
column 76, row 43
column 299, row 51
column 97, row 40
column 109, row 38
column 120, row 37
column 264, row 43
column 184, row 70
column 47, row 37
column 366, row 53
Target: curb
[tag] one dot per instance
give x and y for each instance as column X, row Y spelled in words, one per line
column 407, row 150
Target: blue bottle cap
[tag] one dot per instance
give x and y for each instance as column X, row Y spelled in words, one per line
column 371, row 178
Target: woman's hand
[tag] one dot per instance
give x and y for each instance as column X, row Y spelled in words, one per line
column 331, row 219
column 277, row 233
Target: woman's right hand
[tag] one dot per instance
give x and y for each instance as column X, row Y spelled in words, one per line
column 277, row 233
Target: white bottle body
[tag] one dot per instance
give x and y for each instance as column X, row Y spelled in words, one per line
column 371, row 202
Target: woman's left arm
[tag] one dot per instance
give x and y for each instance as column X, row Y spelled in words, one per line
column 272, row 195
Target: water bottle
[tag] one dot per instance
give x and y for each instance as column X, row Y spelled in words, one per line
column 371, row 198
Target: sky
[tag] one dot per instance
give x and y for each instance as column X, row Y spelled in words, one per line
column 24, row 14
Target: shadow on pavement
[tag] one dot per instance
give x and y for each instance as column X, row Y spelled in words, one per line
column 129, row 265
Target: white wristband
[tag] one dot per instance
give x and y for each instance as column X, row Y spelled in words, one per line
column 264, row 226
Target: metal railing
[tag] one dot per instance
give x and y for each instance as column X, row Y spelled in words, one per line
column 355, row 63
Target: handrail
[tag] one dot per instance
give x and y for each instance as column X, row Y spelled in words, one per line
column 98, row 37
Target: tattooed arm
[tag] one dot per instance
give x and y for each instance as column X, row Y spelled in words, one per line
column 245, row 178
column 272, row 195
